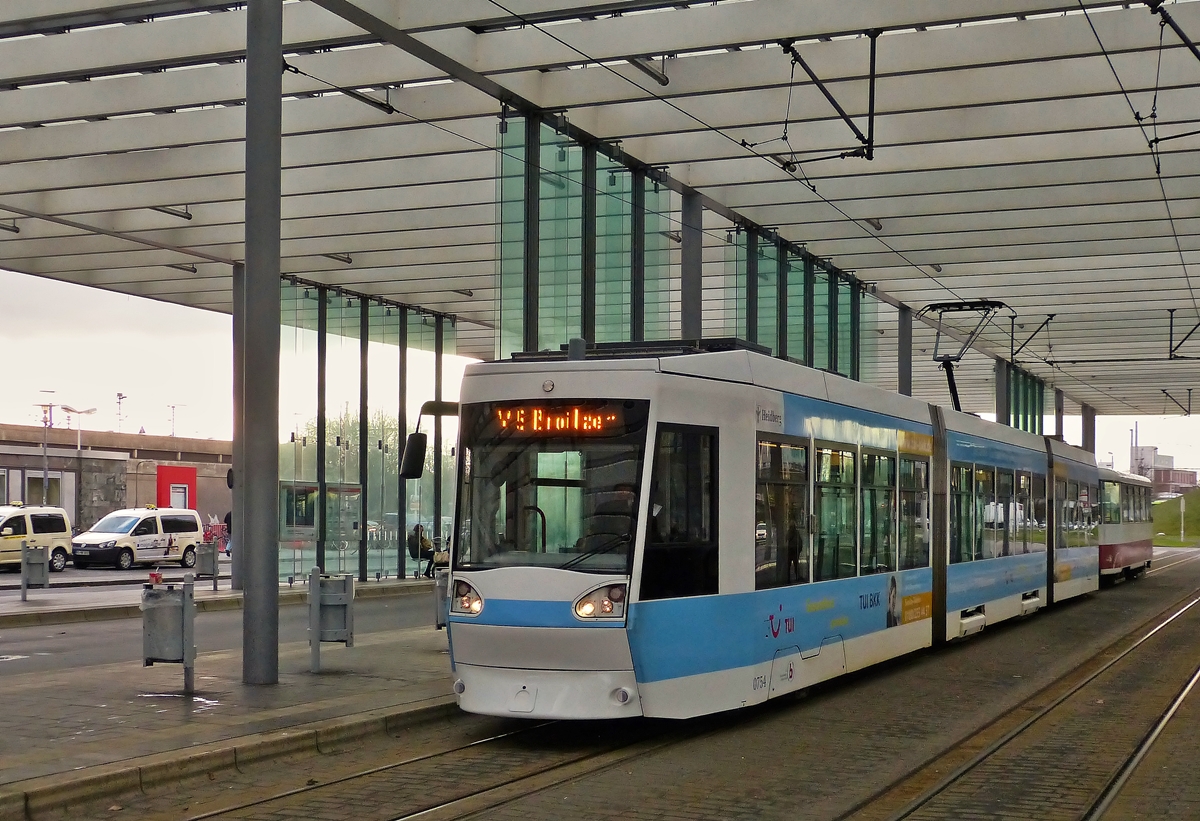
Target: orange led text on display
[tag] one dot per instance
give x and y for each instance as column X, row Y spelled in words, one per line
column 558, row 420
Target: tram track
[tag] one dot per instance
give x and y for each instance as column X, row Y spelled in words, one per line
column 945, row 786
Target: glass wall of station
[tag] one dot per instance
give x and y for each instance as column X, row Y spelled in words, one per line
column 1026, row 401
column 354, row 372
column 590, row 245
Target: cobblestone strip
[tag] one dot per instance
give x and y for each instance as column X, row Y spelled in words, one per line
column 1057, row 768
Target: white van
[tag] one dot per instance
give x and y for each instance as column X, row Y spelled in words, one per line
column 47, row 527
column 139, row 536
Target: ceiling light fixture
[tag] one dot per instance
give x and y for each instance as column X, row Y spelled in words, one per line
column 344, row 258
column 182, row 213
column 191, row 269
column 12, row 229
column 644, row 65
column 467, row 292
column 936, row 267
column 874, row 223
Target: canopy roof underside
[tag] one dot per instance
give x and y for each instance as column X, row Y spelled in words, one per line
column 1011, row 157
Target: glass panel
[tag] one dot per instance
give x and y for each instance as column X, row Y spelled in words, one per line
column 835, row 511
column 384, row 444
column 820, row 313
column 551, row 485
column 914, row 514
column 510, row 227
column 781, row 529
column 613, row 228
column 342, row 489
column 965, row 544
column 735, row 281
column 662, row 260
column 767, row 327
column 845, row 328
column 877, row 547
column 1090, row 502
column 795, row 309
column 452, row 373
column 1063, row 514
column 681, row 536
column 298, row 430
column 1020, row 515
column 1074, row 516
column 560, row 242
column 419, row 383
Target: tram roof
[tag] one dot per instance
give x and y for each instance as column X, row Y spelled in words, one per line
column 1010, row 162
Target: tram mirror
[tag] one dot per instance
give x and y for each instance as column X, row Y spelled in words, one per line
column 412, row 464
column 229, row 478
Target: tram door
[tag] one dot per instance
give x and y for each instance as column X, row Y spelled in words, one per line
column 1062, row 520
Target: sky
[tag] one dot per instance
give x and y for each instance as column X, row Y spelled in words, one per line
column 87, row 345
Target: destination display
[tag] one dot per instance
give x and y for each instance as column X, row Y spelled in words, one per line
column 535, row 420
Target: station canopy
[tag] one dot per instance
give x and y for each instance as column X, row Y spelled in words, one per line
column 1038, row 153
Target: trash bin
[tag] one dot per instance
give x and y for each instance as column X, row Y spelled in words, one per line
column 441, row 597
column 169, row 627
column 330, row 612
column 206, row 559
column 35, row 568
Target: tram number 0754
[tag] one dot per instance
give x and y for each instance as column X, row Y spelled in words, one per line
column 760, row 682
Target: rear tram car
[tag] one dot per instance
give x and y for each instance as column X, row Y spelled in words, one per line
column 1126, row 532
column 678, row 535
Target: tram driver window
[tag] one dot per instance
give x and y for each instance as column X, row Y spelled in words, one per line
column 681, row 531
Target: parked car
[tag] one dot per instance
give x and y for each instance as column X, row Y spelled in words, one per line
column 140, row 535
column 48, row 527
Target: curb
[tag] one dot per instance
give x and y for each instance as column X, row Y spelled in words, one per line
column 22, row 800
column 74, row 615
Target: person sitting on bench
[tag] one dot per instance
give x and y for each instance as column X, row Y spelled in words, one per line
column 421, row 549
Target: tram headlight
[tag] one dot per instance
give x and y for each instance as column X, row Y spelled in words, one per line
column 466, row 599
column 607, row 602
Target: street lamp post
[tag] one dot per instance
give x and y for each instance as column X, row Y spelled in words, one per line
column 79, row 424
column 47, row 423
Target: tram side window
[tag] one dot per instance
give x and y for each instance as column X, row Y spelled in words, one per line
column 1020, row 523
column 1093, row 514
column 781, row 520
column 986, row 535
column 1002, row 513
column 1074, row 517
column 1038, row 534
column 877, row 548
column 963, row 545
column 1110, row 493
column 914, row 514
column 835, row 555
column 681, row 534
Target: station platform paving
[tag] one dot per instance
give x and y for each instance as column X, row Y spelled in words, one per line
column 88, row 730
column 97, row 728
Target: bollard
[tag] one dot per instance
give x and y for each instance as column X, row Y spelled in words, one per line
column 35, row 568
column 330, row 613
column 169, row 628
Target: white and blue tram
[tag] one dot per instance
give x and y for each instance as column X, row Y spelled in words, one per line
column 678, row 535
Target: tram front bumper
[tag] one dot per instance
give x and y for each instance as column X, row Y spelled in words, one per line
column 577, row 694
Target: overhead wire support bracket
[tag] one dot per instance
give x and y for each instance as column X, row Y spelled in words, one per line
column 1173, row 349
column 868, row 139
column 1040, row 328
column 1187, row 411
column 1156, row 7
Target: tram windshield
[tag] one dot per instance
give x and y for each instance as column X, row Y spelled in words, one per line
column 550, row 484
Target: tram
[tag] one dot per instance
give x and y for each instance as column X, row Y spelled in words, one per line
column 675, row 535
column 1126, row 531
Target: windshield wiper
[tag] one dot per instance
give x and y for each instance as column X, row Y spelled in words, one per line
column 623, row 538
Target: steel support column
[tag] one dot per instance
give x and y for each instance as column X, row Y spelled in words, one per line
column 1002, row 386
column 363, row 434
column 691, row 273
column 1059, row 413
column 1089, row 428
column 401, row 439
column 439, row 347
column 904, row 350
column 237, row 522
column 322, row 511
column 260, row 532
